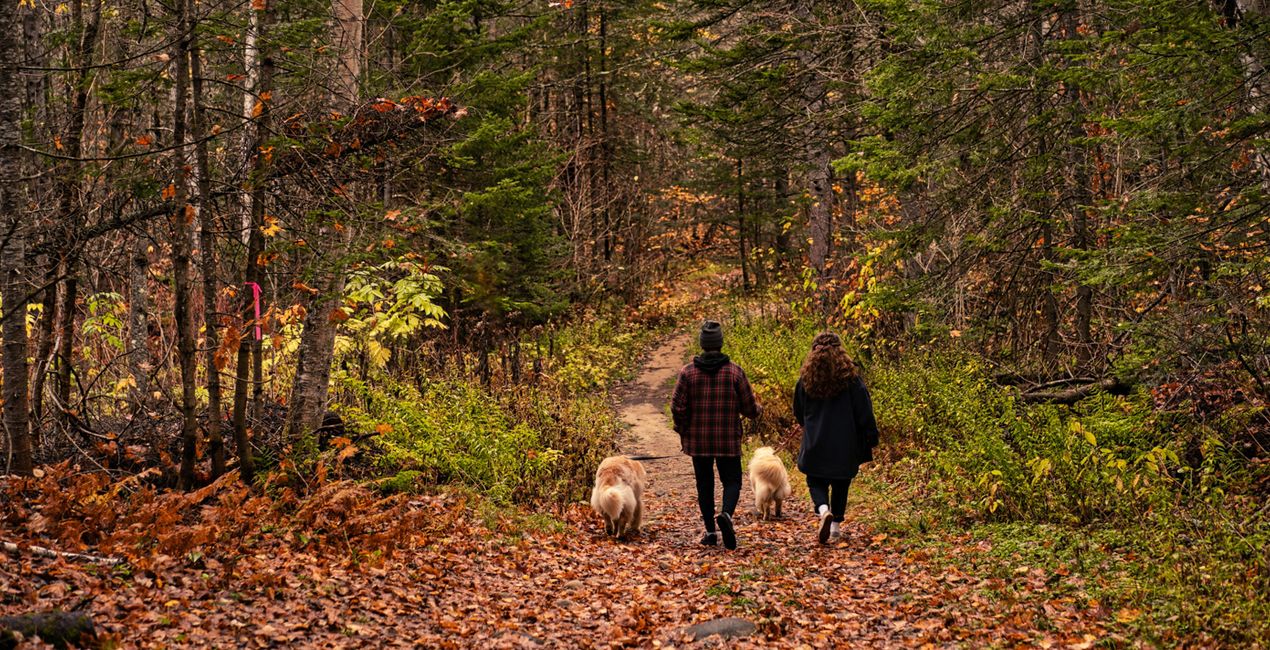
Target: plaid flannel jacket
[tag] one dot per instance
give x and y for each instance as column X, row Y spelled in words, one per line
column 707, row 409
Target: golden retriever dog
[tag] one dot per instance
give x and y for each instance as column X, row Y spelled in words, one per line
column 770, row 481
column 618, row 495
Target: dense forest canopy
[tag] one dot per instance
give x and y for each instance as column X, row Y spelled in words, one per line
column 208, row 204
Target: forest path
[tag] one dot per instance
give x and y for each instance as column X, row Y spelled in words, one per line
column 581, row 588
column 642, row 406
column 584, row 589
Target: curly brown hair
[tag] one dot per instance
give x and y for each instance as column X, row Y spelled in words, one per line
column 828, row 370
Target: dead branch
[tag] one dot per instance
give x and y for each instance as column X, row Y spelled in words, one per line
column 48, row 552
column 1113, row 385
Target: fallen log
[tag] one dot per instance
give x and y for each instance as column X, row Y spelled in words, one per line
column 1039, row 380
column 1068, row 381
column 1113, row 385
column 56, row 627
column 48, row 552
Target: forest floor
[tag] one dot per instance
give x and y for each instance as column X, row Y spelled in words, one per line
column 479, row 577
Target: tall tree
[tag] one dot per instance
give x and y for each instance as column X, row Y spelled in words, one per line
column 257, row 111
column 207, row 255
column 13, row 227
column 317, row 341
column 180, row 226
column 84, row 30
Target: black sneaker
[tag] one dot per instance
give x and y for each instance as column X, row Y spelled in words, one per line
column 711, row 538
column 826, row 525
column 729, row 533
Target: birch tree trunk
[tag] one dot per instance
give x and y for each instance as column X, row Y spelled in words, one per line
column 36, row 55
column 1258, row 80
column 13, row 284
column 817, row 155
column 251, row 65
column 317, row 341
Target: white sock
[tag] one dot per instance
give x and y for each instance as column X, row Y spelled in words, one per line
column 823, row 509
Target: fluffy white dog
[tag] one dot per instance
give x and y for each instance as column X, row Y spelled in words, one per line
column 618, row 495
column 770, row 481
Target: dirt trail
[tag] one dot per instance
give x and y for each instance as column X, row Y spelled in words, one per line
column 643, row 409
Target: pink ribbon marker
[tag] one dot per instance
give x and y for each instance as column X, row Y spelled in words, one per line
column 255, row 298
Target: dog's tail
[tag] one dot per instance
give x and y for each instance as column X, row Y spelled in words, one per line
column 762, row 492
column 614, row 499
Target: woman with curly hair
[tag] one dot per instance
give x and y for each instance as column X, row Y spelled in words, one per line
column 839, row 431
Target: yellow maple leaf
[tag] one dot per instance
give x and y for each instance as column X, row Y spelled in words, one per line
column 271, row 227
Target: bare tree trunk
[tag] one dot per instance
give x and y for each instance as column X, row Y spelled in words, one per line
column 248, row 348
column 44, row 346
column 207, row 251
column 37, row 86
column 180, row 224
column 817, row 157
column 606, row 147
column 1084, row 293
column 13, row 283
column 348, row 43
column 820, row 212
column 317, row 341
column 1258, row 82
column 1050, row 339
column 70, row 201
column 1049, row 302
column 257, row 402
column 64, row 333
column 260, row 79
column 139, row 364
column 313, row 368
column 781, row 189
column 1080, row 198
column 252, row 66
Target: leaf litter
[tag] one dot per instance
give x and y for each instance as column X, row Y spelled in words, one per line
column 343, row 566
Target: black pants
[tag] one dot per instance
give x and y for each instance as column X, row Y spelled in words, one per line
column 729, row 475
column 830, row 491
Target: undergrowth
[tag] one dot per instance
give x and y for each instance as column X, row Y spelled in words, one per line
column 533, row 437
column 1173, row 541
column 536, row 440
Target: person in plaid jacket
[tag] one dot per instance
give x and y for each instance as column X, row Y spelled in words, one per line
column 711, row 396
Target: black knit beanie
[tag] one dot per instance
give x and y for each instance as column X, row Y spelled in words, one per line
column 711, row 336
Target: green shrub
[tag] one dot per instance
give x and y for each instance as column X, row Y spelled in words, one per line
column 538, row 440
column 594, row 352
column 1003, row 460
column 448, row 431
column 989, row 456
